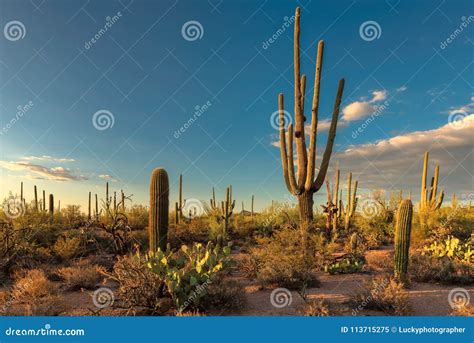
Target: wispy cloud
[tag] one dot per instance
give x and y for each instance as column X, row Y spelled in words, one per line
column 42, row 172
column 47, row 158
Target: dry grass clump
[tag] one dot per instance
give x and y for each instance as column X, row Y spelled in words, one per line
column 425, row 268
column 315, row 308
column 385, row 294
column 464, row 310
column 33, row 294
column 280, row 260
column 81, row 276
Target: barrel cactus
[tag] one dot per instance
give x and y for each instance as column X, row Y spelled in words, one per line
column 402, row 238
column 159, row 206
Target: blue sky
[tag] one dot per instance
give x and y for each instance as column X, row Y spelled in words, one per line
column 151, row 80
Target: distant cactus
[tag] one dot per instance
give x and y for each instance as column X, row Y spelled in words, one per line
column 226, row 209
column 402, row 238
column 51, row 204
column 159, row 207
column 331, row 208
column 21, row 192
column 454, row 202
column 96, row 208
column 351, row 206
column 180, row 204
column 44, row 201
column 89, row 207
column 354, row 242
column 36, row 199
column 251, row 208
column 429, row 198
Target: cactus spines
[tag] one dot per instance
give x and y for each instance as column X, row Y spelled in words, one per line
column 89, row 207
column 51, row 204
column 159, row 206
column 402, row 238
column 36, row 199
column 305, row 184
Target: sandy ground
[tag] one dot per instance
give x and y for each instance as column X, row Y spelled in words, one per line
column 337, row 290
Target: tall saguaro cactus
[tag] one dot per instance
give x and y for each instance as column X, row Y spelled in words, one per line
column 305, row 184
column 89, row 207
column 402, row 238
column 159, row 207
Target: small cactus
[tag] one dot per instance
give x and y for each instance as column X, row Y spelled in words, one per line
column 402, row 238
column 89, row 208
column 36, row 199
column 354, row 242
column 159, row 206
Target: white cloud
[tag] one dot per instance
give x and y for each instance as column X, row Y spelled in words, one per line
column 42, row 172
column 402, row 88
column 108, row 177
column 379, row 95
column 360, row 109
column 47, row 158
column 396, row 162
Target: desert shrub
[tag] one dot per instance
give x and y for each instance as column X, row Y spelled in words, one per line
column 137, row 217
column 347, row 264
column 425, row 268
column 315, row 308
column 385, row 294
column 139, row 287
column 244, row 226
column 249, row 265
column 189, row 231
column 81, row 276
column 281, row 260
column 375, row 231
column 68, row 247
column 223, row 295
